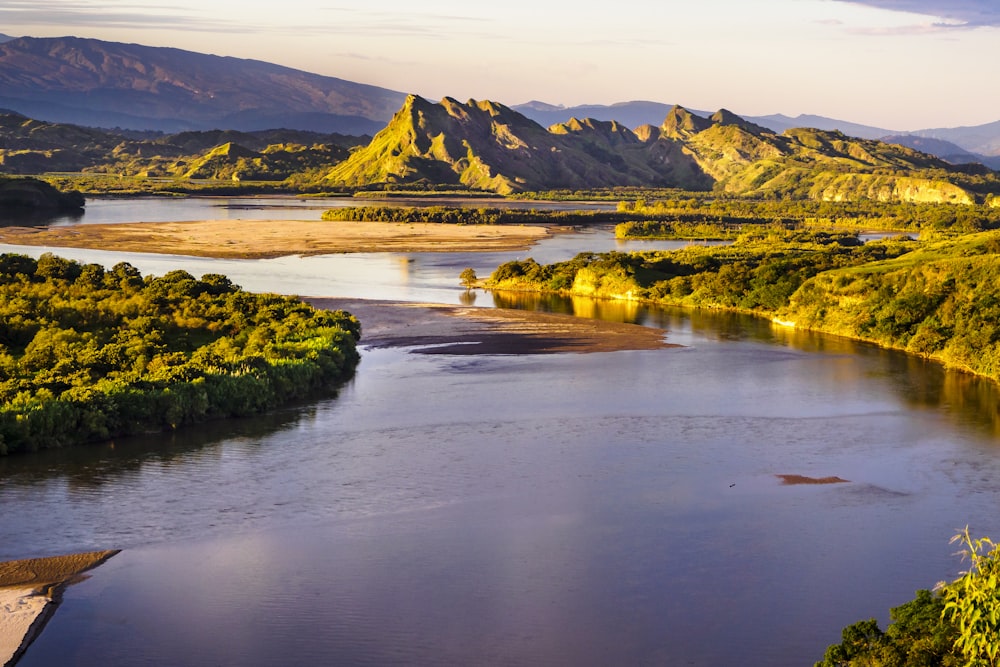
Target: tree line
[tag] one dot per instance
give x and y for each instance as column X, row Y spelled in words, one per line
column 938, row 299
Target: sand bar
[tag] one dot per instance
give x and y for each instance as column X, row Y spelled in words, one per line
column 442, row 329
column 260, row 239
column 29, row 590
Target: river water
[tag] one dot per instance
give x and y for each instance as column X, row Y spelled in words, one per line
column 567, row 509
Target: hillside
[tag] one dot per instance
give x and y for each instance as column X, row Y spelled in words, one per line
column 982, row 142
column 29, row 146
column 487, row 146
column 109, row 84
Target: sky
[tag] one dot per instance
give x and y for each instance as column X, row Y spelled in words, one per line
column 895, row 64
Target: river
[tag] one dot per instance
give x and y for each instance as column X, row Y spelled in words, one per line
column 567, row 509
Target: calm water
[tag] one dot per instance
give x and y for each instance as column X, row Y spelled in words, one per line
column 617, row 508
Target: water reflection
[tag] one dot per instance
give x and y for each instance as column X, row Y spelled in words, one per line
column 923, row 384
column 89, row 468
column 38, row 218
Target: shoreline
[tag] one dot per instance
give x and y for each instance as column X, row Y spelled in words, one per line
column 267, row 239
column 30, row 591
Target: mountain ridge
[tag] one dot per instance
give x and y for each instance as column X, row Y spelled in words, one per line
column 485, row 145
column 78, row 80
column 115, row 85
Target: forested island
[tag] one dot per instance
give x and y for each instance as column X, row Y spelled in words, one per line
column 88, row 353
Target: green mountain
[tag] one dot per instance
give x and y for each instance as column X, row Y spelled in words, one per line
column 487, row 146
column 29, row 146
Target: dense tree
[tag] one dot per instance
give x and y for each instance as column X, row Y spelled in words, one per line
column 88, row 354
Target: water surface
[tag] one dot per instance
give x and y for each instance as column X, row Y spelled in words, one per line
column 614, row 508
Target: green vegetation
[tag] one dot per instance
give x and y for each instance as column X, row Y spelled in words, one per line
column 486, row 146
column 464, row 215
column 918, row 636
column 31, row 194
column 88, row 354
column 958, row 625
column 122, row 162
column 468, row 277
column 972, row 602
column 727, row 214
column 482, row 147
column 937, row 299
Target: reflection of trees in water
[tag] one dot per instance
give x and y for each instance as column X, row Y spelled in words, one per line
column 88, row 467
column 920, row 383
column 630, row 312
column 16, row 217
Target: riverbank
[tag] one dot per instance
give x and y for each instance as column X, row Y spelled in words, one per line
column 263, row 239
column 442, row 329
column 29, row 592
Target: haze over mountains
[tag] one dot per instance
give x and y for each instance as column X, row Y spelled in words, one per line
column 108, row 84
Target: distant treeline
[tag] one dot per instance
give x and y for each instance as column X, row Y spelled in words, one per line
column 729, row 213
column 88, row 354
column 937, row 299
column 463, row 215
column 702, row 218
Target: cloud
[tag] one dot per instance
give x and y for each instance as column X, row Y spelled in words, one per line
column 951, row 14
column 74, row 15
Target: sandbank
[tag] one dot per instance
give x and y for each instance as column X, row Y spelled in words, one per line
column 29, row 591
column 442, row 329
column 803, row 479
column 261, row 239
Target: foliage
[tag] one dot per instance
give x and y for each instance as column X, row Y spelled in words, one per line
column 32, row 194
column 466, row 215
column 864, row 215
column 89, row 354
column 916, row 637
column 939, row 299
column 972, row 602
column 468, row 277
column 958, row 625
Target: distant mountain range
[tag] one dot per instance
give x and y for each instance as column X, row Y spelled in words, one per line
column 487, row 146
column 960, row 145
column 108, row 84
column 94, row 83
column 483, row 145
column 83, row 83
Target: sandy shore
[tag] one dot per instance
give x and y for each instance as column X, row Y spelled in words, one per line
column 29, row 590
column 442, row 329
column 258, row 239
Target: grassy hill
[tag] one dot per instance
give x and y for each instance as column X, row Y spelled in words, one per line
column 29, row 146
column 487, row 146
